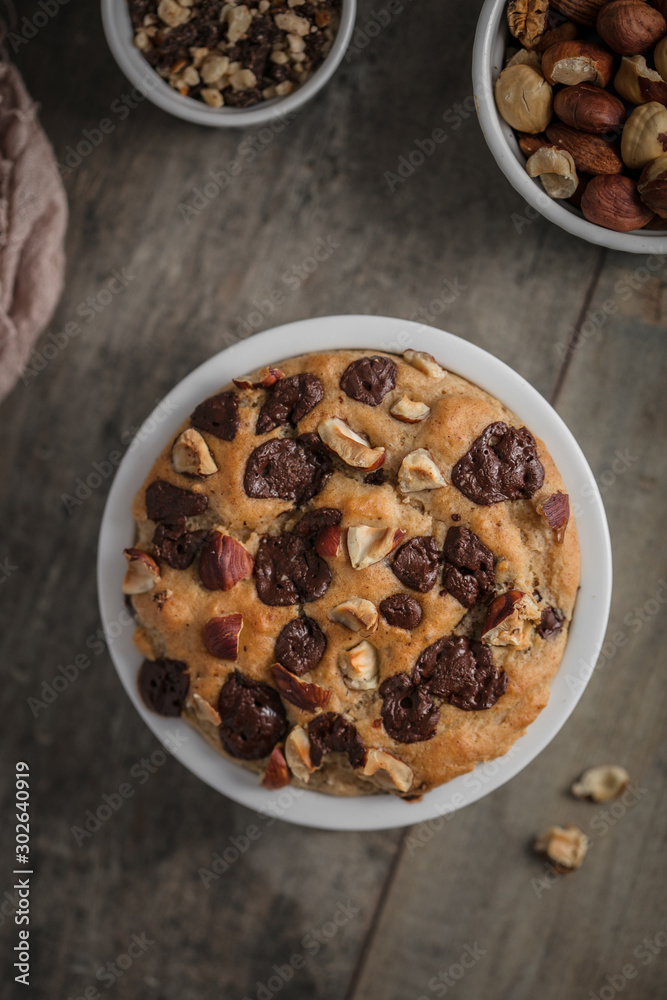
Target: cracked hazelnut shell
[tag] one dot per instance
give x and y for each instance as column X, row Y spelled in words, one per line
column 577, row 62
column 536, row 25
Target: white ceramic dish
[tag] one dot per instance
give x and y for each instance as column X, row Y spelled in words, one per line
column 491, row 40
column 375, row 333
column 119, row 35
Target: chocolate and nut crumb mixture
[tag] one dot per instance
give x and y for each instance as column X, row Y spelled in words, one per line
column 234, row 54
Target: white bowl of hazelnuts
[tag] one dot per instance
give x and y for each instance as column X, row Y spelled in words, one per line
column 572, row 99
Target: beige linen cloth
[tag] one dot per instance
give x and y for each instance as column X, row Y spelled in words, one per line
column 33, row 217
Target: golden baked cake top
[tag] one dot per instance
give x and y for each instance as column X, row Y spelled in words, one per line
column 353, row 572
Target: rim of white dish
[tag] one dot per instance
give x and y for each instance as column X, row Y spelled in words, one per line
column 487, row 62
column 119, row 34
column 375, row 812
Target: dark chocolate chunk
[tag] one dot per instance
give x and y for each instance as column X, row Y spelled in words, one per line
column 163, row 685
column 368, row 380
column 468, row 572
column 377, row 478
column 218, row 415
column 416, row 564
column 332, row 733
column 300, row 645
column 461, row 672
column 501, row 464
column 312, row 522
column 401, row 611
column 288, row 570
column 256, row 46
column 241, row 98
column 172, row 505
column 252, row 717
column 408, row 711
column 551, row 622
column 177, row 548
column 278, row 73
column 288, row 469
column 290, row 399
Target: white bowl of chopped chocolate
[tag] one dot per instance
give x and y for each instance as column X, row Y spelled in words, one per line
column 230, row 64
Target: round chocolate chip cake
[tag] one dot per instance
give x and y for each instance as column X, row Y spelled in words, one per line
column 353, row 573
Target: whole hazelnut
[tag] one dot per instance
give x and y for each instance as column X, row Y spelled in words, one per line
column 644, row 135
column 577, row 62
column 630, row 27
column 555, row 168
column 639, row 84
column 581, row 11
column 589, row 108
column 524, row 98
column 652, row 186
column 614, row 202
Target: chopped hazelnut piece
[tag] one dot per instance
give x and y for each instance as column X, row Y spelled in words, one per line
column 390, row 772
column 239, row 21
column 292, row 23
column 409, row 411
column 509, row 620
column 142, row 572
column 297, row 754
column 357, row 614
column 243, row 79
column 212, row 97
column 424, row 363
column 418, row 472
column 601, row 784
column 359, row 666
column 172, row 13
column 367, row 545
column 565, row 847
column 191, row 456
column 205, row 711
column 353, row 449
column 214, row 68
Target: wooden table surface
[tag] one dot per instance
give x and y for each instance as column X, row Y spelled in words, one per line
column 457, row 908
